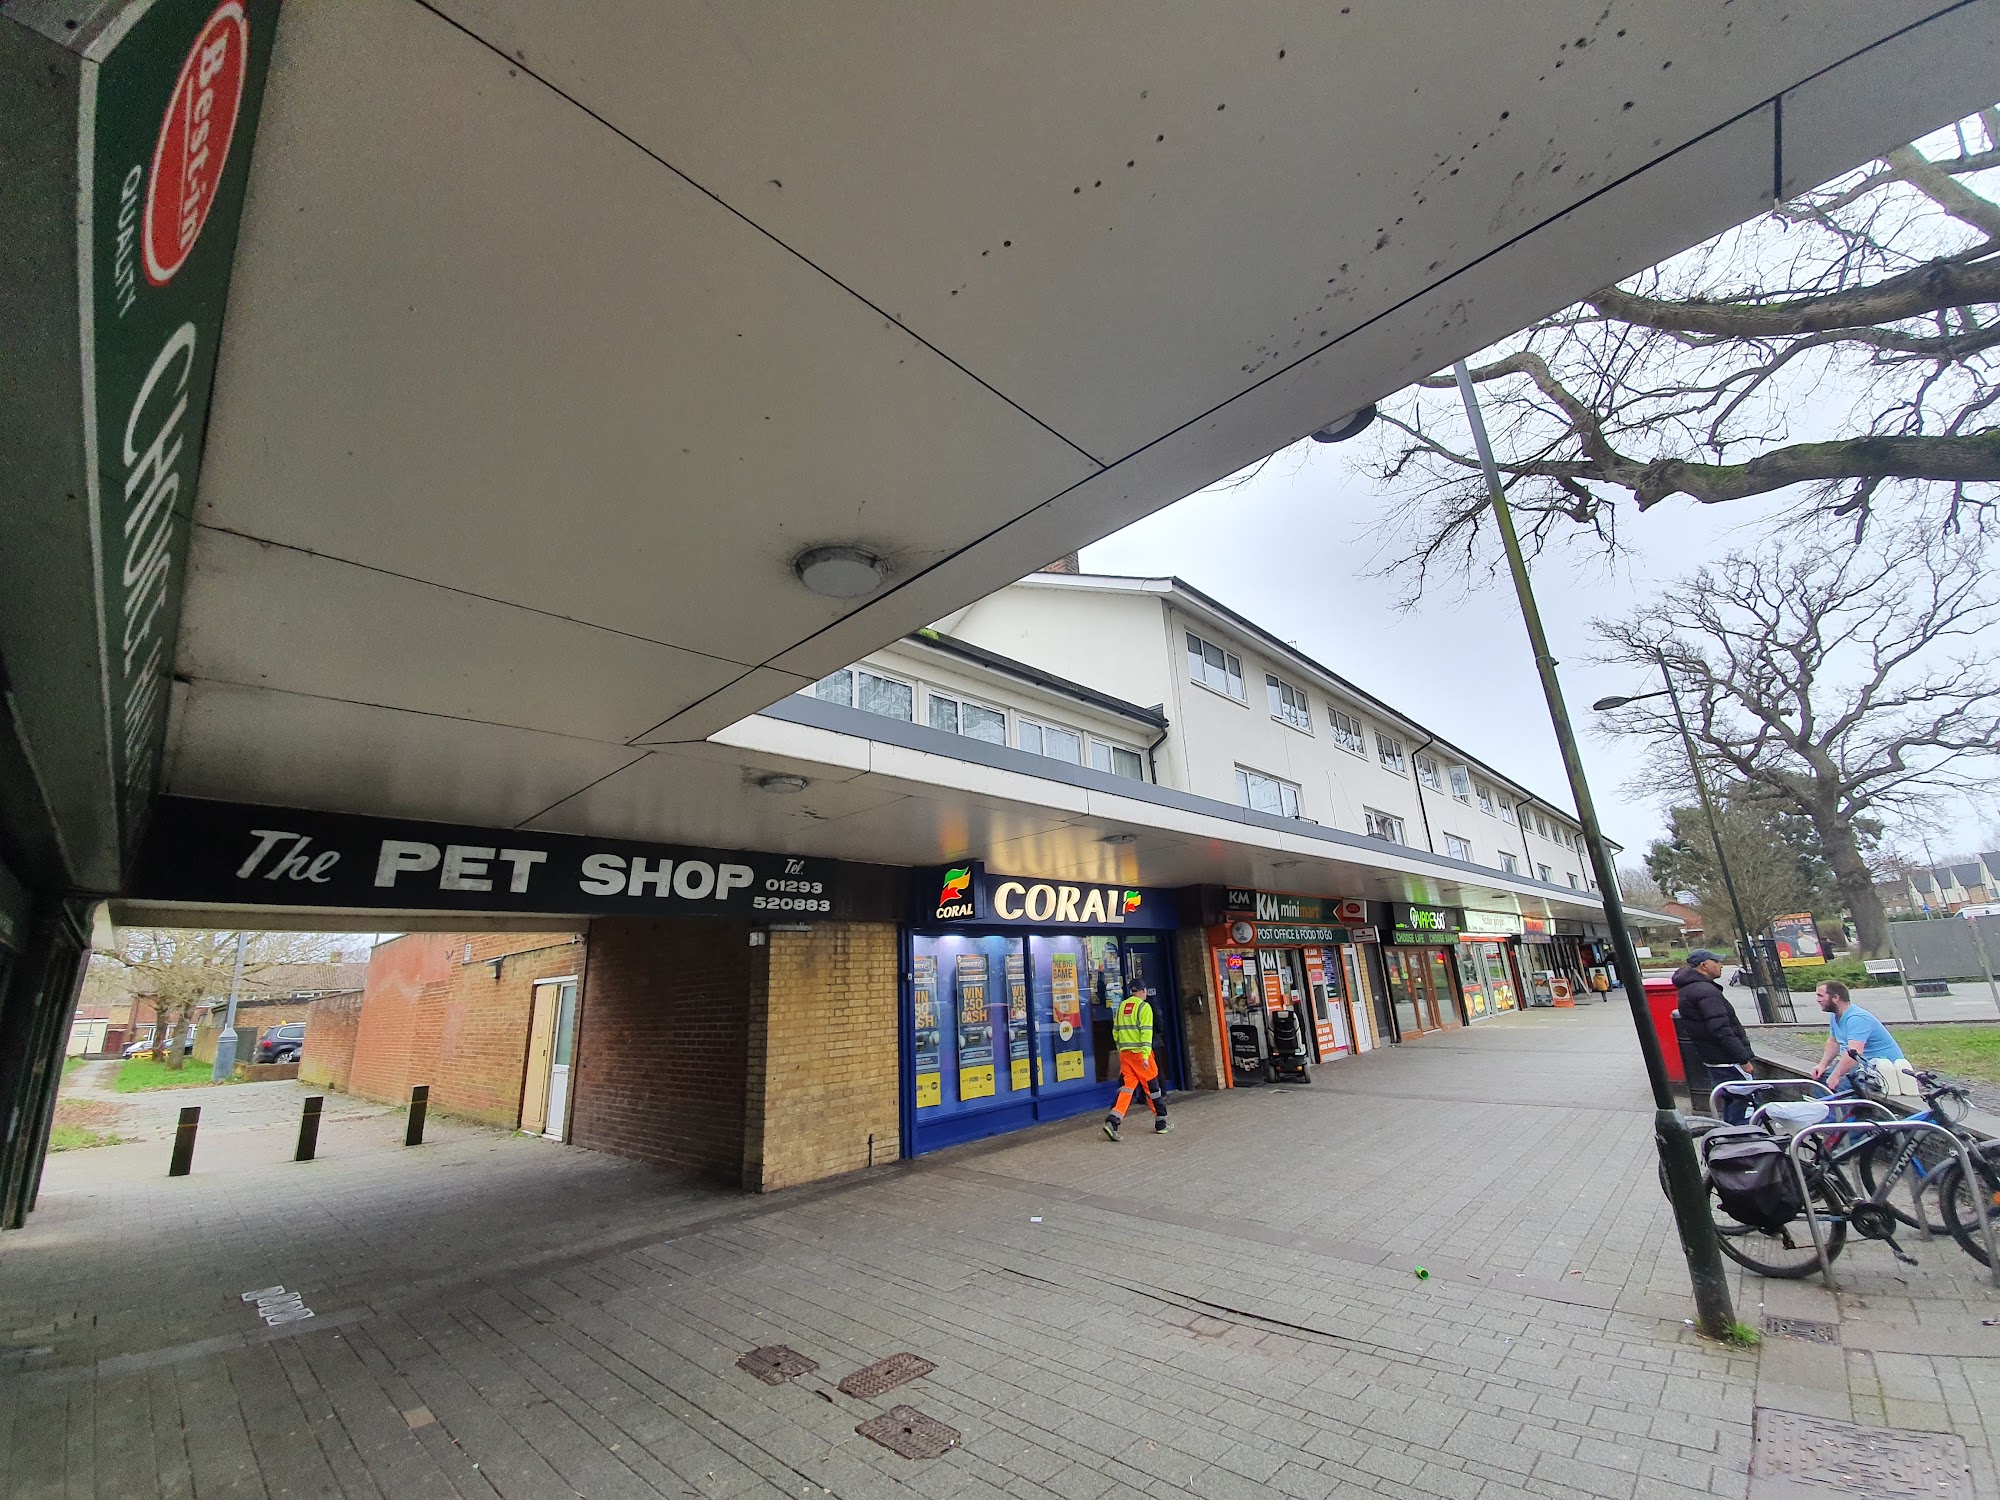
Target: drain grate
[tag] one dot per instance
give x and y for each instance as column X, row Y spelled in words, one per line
column 1797, row 1454
column 886, row 1375
column 1803, row 1328
column 905, row 1430
column 774, row 1364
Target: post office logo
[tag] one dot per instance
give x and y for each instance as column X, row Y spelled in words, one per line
column 195, row 135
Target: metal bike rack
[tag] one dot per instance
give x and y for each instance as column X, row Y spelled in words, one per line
column 1747, row 1087
column 1893, row 1127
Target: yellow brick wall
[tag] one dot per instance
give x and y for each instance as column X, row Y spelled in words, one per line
column 823, row 1069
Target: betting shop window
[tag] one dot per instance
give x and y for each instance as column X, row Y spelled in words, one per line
column 1053, row 741
column 1266, row 794
column 973, row 720
column 1117, row 760
column 1389, row 750
column 1381, row 825
column 1346, row 730
column 1427, row 772
column 1288, row 704
column 1457, row 847
column 1211, row 666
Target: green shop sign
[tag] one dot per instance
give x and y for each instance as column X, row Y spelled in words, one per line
column 161, row 98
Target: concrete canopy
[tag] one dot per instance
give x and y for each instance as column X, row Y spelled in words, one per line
column 558, row 331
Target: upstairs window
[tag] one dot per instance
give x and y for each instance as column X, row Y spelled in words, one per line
column 1381, row 825
column 1054, row 742
column 1288, row 704
column 871, row 693
column 1509, row 864
column 1461, row 784
column 1543, row 872
column 1346, row 730
column 1211, row 666
column 1427, row 772
column 973, row 720
column 1457, row 847
column 1266, row 794
column 1389, row 750
column 1117, row 760
column 1573, row 885
column 1483, row 795
column 1506, row 811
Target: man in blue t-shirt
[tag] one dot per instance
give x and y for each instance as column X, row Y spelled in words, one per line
column 1855, row 1036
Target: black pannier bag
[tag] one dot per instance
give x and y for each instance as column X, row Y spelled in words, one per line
column 1754, row 1182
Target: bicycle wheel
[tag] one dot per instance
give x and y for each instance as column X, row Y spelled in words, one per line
column 1934, row 1156
column 1787, row 1253
column 1961, row 1208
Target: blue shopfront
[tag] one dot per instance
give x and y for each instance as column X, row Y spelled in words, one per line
column 1008, row 990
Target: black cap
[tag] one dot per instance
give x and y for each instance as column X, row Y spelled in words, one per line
column 1703, row 956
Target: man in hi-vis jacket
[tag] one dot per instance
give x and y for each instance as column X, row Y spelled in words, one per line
column 1132, row 1032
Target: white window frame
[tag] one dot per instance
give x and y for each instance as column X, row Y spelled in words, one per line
column 1483, row 795
column 1042, row 727
column 854, row 675
column 1509, row 864
column 963, row 703
column 1389, row 754
column 1573, row 882
column 1426, row 769
column 1232, row 669
column 1385, row 826
column 1292, row 715
column 1506, row 812
column 1462, row 851
column 1542, row 872
column 1461, row 785
column 1288, row 792
column 1112, row 749
column 1348, row 731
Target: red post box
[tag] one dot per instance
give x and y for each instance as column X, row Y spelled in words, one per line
column 1662, row 999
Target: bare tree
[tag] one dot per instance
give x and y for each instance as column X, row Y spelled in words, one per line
column 1637, row 885
column 1845, row 684
column 1846, row 342
column 179, row 969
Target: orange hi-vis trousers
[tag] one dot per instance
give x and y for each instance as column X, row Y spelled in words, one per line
column 1138, row 1072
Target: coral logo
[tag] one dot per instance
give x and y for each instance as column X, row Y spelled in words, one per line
column 195, row 136
column 1131, row 903
column 956, row 884
column 956, row 901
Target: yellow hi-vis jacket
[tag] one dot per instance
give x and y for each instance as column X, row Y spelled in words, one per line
column 1132, row 1026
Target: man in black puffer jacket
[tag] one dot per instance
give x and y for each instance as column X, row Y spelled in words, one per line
column 1710, row 1022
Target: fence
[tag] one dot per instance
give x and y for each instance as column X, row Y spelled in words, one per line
column 1950, row 948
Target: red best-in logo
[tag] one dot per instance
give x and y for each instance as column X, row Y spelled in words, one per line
column 194, row 141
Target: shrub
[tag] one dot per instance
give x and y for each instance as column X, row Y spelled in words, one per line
column 1847, row 970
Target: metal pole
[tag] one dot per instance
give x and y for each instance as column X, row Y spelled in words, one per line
column 1713, row 1313
column 225, row 1041
column 1767, row 1008
column 182, row 1161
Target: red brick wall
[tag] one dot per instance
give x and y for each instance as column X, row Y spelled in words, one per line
column 434, row 1012
column 332, row 1024
column 662, row 1040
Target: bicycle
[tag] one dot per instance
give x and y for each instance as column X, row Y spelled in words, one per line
column 1771, row 1228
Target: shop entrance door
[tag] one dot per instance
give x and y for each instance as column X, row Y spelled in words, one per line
column 1420, row 987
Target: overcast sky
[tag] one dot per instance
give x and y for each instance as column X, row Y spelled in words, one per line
column 1294, row 550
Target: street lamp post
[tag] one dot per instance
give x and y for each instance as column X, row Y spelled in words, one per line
column 1713, row 1313
column 1767, row 1005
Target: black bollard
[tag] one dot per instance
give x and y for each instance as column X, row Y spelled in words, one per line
column 420, row 1099
column 309, row 1127
column 183, row 1162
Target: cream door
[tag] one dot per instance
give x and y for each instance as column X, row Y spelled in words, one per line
column 557, row 1124
column 541, row 1047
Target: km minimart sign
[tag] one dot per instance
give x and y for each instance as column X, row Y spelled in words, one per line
column 126, row 168
column 226, row 852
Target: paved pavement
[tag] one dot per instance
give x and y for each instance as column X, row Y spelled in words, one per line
column 1229, row 1309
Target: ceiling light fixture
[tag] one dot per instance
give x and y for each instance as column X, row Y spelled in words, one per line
column 1342, row 428
column 1119, row 838
column 839, row 572
column 781, row 785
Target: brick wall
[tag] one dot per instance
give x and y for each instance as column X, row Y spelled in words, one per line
column 332, row 1024
column 1194, row 963
column 450, row 1010
column 662, row 1041
column 822, row 1056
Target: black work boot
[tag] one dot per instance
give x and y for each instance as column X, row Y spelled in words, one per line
column 1111, row 1124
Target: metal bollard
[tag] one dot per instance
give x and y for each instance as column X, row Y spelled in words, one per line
column 183, row 1160
column 309, row 1127
column 420, row 1099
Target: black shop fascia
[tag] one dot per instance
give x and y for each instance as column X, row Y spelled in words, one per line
column 1010, row 982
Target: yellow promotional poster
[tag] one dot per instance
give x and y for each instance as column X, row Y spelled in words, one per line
column 1019, row 1067
column 976, row 1083
column 930, row 1089
column 1069, row 1065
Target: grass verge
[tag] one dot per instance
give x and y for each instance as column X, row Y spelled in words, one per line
column 83, row 1123
column 1962, row 1051
column 140, row 1073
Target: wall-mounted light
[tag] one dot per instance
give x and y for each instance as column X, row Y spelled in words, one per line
column 1340, row 429
column 839, row 572
column 782, row 785
column 1119, row 838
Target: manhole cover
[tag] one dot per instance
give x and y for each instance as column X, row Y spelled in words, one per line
column 1798, row 1455
column 886, row 1375
column 905, row 1430
column 1803, row 1328
column 774, row 1364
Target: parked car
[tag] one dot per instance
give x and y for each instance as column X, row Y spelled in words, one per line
column 282, row 1044
column 145, row 1043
